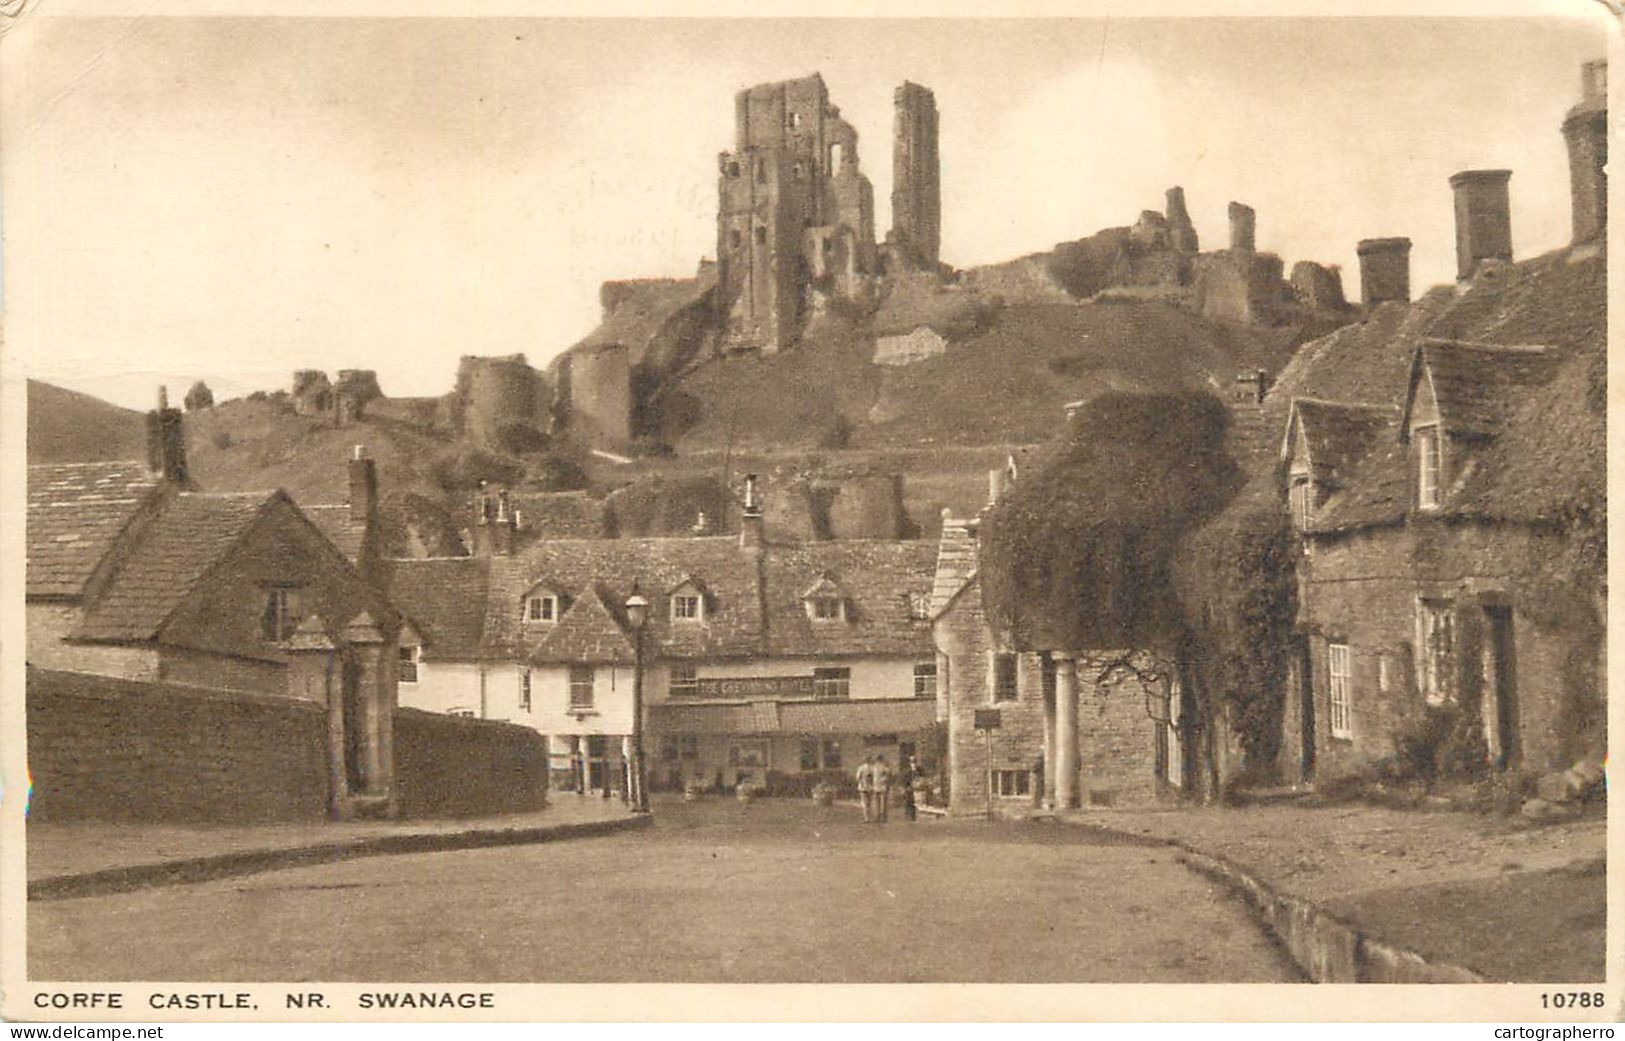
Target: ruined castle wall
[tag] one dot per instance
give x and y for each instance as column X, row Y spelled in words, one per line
column 600, row 394
column 495, row 392
column 1318, row 286
column 916, row 176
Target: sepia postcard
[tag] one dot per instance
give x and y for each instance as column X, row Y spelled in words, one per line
column 527, row 513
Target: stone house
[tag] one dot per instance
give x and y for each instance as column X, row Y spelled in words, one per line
column 1028, row 729
column 763, row 663
column 133, row 573
column 1444, row 465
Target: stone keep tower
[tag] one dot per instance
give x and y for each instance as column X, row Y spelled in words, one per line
column 916, row 198
column 795, row 217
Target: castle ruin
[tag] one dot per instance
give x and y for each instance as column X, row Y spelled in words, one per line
column 795, row 214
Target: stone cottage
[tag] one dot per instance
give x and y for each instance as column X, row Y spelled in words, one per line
column 133, row 573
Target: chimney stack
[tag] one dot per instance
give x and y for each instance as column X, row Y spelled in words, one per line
column 1585, row 130
column 750, row 518
column 1483, row 219
column 363, row 486
column 166, row 441
column 998, row 479
column 1242, row 222
column 1385, row 270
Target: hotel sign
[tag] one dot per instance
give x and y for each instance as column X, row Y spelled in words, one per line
column 754, row 688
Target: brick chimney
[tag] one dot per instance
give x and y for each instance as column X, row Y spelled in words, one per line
column 750, row 516
column 166, row 441
column 1242, row 222
column 494, row 523
column 363, row 486
column 1585, row 130
column 1385, row 270
column 1483, row 219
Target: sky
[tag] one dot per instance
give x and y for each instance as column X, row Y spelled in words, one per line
column 234, row 198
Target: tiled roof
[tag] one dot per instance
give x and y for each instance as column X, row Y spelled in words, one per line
column 341, row 531
column 189, row 535
column 876, row 578
column 859, row 716
column 444, row 600
column 589, row 633
column 956, row 563
column 75, row 513
column 1339, row 435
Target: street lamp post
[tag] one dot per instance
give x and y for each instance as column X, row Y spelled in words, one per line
column 637, row 613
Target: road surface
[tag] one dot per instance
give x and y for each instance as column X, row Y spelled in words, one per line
column 716, row 891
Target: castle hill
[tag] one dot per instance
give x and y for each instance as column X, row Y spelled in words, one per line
column 1151, row 606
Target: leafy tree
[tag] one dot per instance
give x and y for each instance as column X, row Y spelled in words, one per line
column 199, row 397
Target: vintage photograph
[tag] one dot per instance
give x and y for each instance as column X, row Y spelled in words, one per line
column 534, row 500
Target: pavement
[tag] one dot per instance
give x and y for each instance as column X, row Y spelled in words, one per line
column 1451, row 886
column 78, row 858
column 778, row 890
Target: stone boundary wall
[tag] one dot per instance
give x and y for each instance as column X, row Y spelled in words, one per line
column 101, row 748
column 454, row 766
column 1324, row 947
column 106, row 748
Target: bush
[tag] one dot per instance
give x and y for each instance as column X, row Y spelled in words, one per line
column 1442, row 742
column 461, row 472
column 222, row 439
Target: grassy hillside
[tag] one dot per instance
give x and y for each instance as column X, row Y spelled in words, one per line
column 1004, row 384
column 65, row 426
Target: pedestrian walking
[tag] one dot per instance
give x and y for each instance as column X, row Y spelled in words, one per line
column 906, row 772
column 882, row 784
column 866, row 788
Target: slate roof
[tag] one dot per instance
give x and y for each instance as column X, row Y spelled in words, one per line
column 956, row 563
column 1517, row 364
column 574, row 568
column 1338, row 435
column 1476, row 385
column 190, row 534
column 76, row 512
column 335, row 523
column 444, row 600
column 753, row 604
column 876, row 578
column 857, row 716
column 589, row 633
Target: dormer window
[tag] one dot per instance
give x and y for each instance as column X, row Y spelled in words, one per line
column 825, row 601
column 687, row 602
column 541, row 608
column 1429, row 467
column 1303, row 499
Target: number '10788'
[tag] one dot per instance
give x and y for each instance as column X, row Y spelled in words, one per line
column 1572, row 999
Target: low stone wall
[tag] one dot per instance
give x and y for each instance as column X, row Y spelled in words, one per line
column 113, row 749
column 454, row 766
column 1327, row 949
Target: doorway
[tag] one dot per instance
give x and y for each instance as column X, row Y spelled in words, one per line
column 1500, row 687
column 1306, row 702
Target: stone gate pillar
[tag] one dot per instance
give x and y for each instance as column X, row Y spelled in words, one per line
column 313, row 675
column 1066, row 731
column 377, row 708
